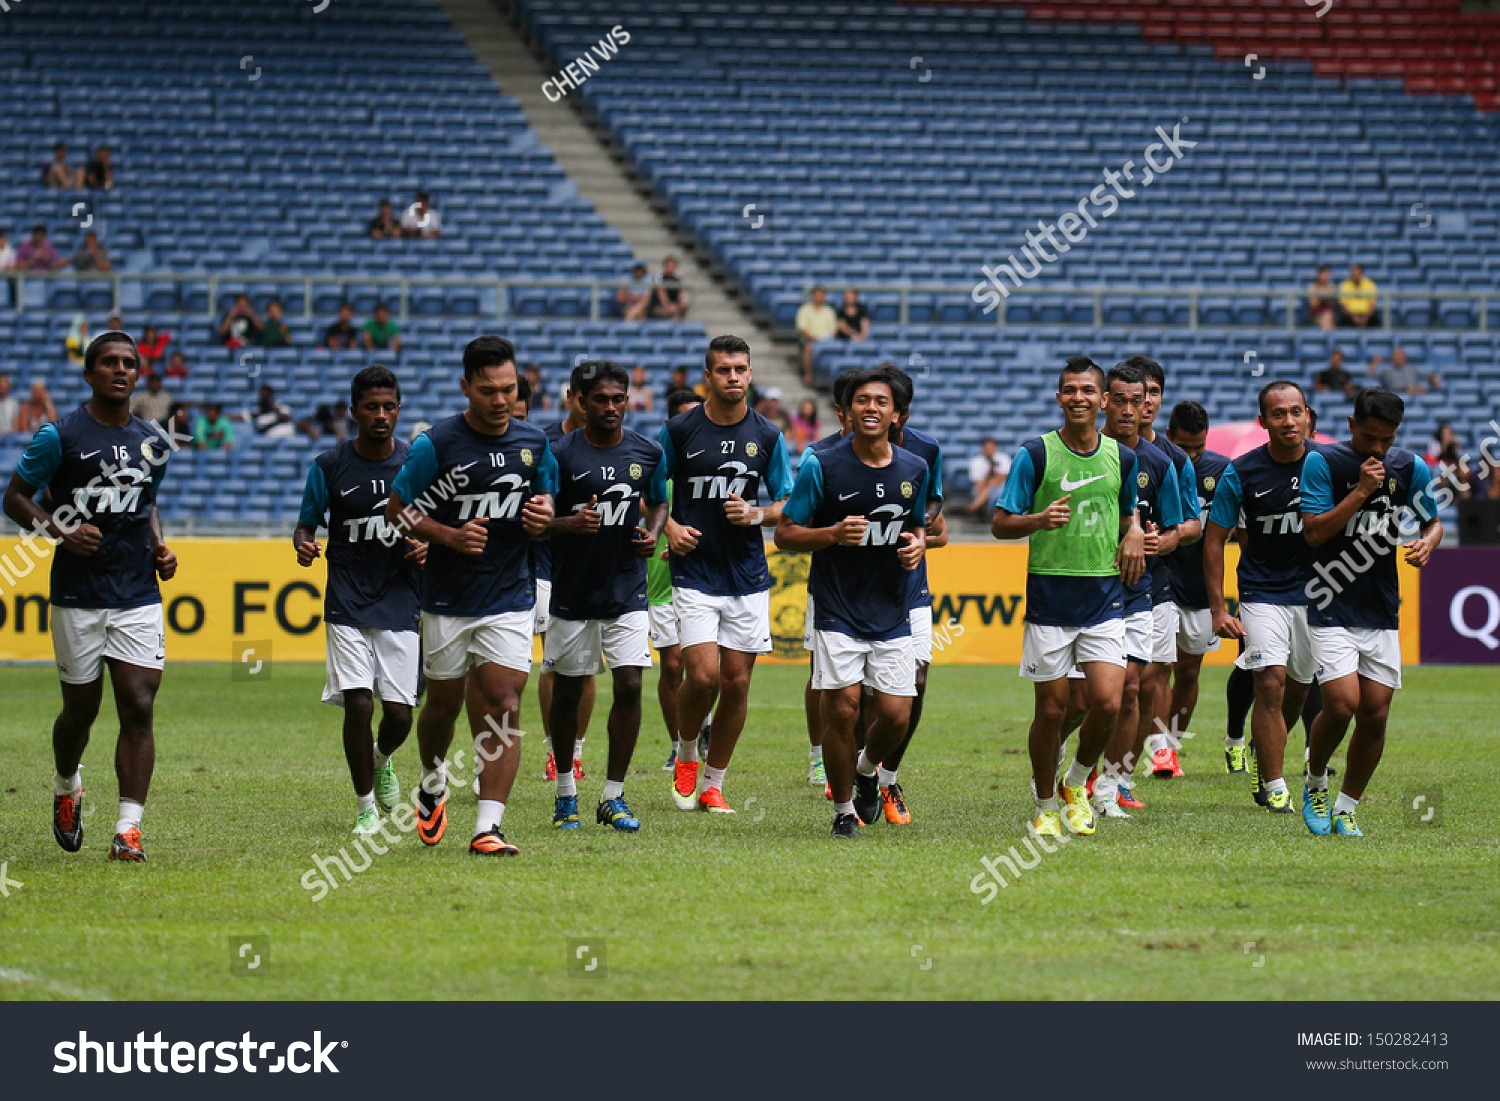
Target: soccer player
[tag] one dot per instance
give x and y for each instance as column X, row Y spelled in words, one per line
column 663, row 612
column 1164, row 611
column 605, row 473
column 859, row 506
column 372, row 605
column 1072, row 492
column 101, row 468
column 1159, row 506
column 1275, row 566
column 1360, row 500
column 476, row 488
column 720, row 456
column 1188, row 430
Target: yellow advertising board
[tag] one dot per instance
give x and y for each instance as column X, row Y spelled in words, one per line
column 231, row 594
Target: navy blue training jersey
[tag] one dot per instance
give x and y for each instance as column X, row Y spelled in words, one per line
column 1185, row 564
column 541, row 549
column 1187, row 480
column 860, row 591
column 1275, row 561
column 708, row 463
column 455, row 474
column 1159, row 501
column 601, row 576
column 106, row 476
column 927, row 449
column 371, row 582
column 1356, row 583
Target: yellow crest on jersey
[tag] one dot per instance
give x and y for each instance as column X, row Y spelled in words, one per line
column 1142, row 479
column 907, row 489
column 751, row 449
column 149, row 455
column 1208, row 484
column 1390, row 486
column 636, row 470
column 526, row 456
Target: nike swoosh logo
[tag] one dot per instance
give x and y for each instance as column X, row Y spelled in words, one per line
column 348, row 491
column 694, row 454
column 467, row 465
column 846, row 496
column 580, row 477
column 1069, row 487
column 90, row 455
column 1262, row 493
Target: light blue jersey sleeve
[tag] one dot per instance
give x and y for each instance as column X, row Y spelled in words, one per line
column 1169, row 500
column 1228, row 496
column 668, row 451
column 420, row 470
column 546, row 480
column 657, row 490
column 935, row 479
column 43, row 457
column 314, row 499
column 807, row 493
column 1420, row 496
column 1127, row 481
column 779, row 476
column 919, row 515
column 1317, row 485
column 1187, row 483
column 1016, row 494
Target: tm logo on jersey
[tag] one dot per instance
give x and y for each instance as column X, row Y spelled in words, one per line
column 1280, row 523
column 884, row 533
column 720, row 487
column 612, row 514
column 93, row 499
column 502, row 502
column 372, row 529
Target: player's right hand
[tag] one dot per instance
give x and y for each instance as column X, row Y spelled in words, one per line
column 308, row 552
column 850, row 531
column 471, row 538
column 1057, row 514
column 681, row 538
column 586, row 520
column 1227, row 626
column 83, row 540
column 1371, row 474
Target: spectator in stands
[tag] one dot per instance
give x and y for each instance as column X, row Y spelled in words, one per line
column 92, row 256
column 36, row 410
column 854, row 319
column 1453, row 469
column 37, row 254
column 271, row 418
column 384, row 223
column 669, row 299
column 1322, row 299
column 1333, row 379
column 420, row 220
column 114, row 323
column 57, row 174
column 634, row 296
column 1443, row 440
column 10, row 408
column 816, row 322
column 177, row 366
column 381, row 333
column 539, row 398
column 153, row 403
column 1357, row 299
column 806, row 424
column 153, row 347
column 274, row 333
column 99, row 173
column 77, row 340
column 641, row 399
column 7, row 252
column 678, row 381
column 213, row 431
column 987, row 472
column 180, row 423
column 329, row 419
column 241, row 325
column 1402, row 377
column 769, row 406
column 342, row 336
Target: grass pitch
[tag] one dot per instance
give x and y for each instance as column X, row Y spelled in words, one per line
column 1203, row 895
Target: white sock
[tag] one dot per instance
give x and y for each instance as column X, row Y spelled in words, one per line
column 490, row 813
column 864, row 766
column 1126, row 776
column 1078, row 774
column 1344, row 804
column 70, row 785
column 687, row 749
column 1235, row 743
column 1278, row 784
column 1317, row 783
column 714, row 778
column 565, row 782
column 613, row 789
column 577, row 749
column 1108, row 787
column 814, row 753
column 380, row 758
column 434, row 782
column 130, row 815
column 366, row 802
column 887, row 777
column 843, row 808
column 1049, row 803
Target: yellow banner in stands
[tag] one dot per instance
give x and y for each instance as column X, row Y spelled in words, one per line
column 233, row 595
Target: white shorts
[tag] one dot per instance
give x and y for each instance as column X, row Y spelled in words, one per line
column 740, row 623
column 1195, row 631
column 840, row 660
column 583, row 647
column 364, row 657
column 1047, row 653
column 1164, row 632
column 452, row 644
column 543, row 606
column 1372, row 652
column 1138, row 636
column 807, row 624
column 83, row 637
column 1277, row 634
column 921, row 634
column 663, row 620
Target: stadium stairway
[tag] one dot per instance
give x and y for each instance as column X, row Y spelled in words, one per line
column 603, row 179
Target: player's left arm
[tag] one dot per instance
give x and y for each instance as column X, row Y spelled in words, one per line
column 1421, row 501
column 1131, row 557
column 778, row 480
column 656, row 507
column 1191, row 528
column 914, row 541
column 162, row 557
column 538, row 510
column 314, row 511
column 1169, row 537
column 792, row 530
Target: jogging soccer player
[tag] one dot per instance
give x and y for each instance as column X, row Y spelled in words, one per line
column 1164, row 611
column 719, row 457
column 101, row 469
column 1275, row 566
column 859, row 507
column 372, row 603
column 663, row 612
column 605, row 474
column 476, row 487
column 1188, row 430
column 1072, row 494
column 1360, row 500
column 1159, row 506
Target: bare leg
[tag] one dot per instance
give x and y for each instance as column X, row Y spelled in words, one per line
column 135, row 752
